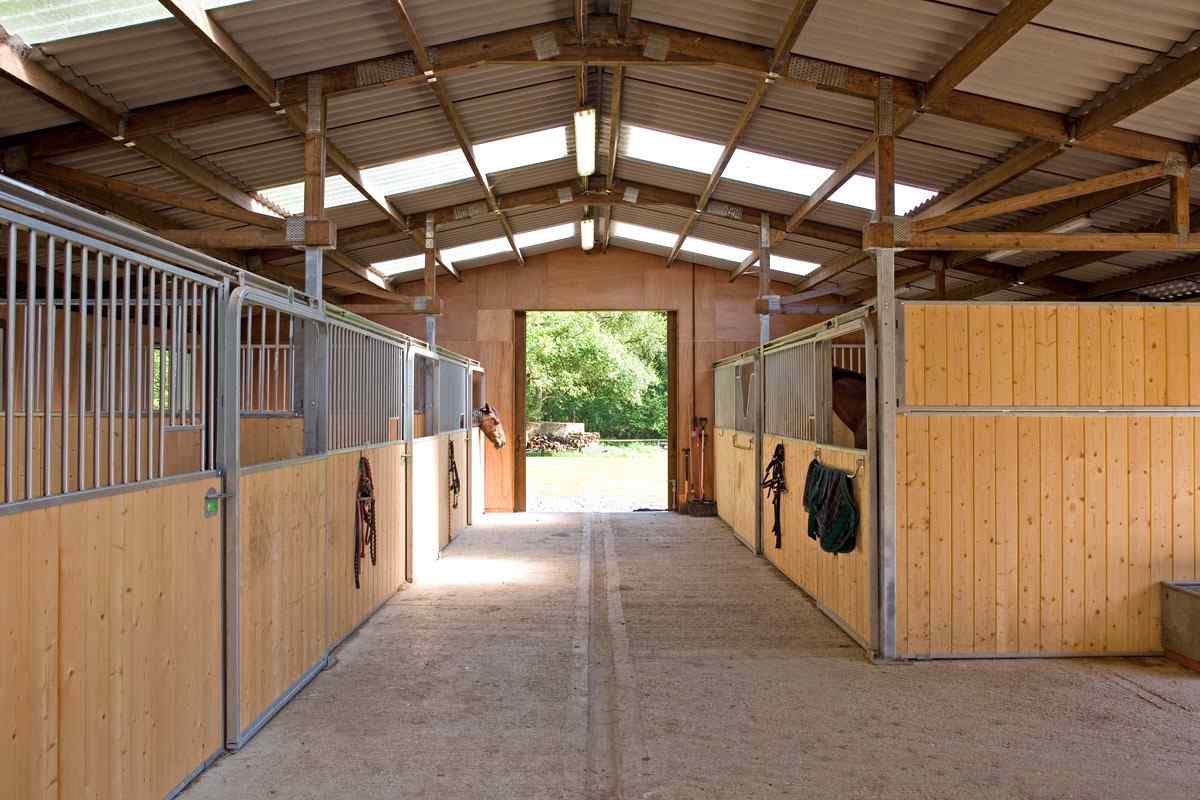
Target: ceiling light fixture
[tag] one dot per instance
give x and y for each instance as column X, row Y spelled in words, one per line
column 585, row 141
column 587, row 233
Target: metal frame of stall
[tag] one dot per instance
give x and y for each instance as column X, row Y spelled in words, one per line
column 194, row 374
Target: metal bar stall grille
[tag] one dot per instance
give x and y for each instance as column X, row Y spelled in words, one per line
column 102, row 364
column 266, row 362
column 366, row 387
column 725, row 396
column 452, row 402
column 746, row 397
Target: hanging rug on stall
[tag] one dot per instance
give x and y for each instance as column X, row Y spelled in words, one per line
column 455, row 485
column 774, row 483
column 364, row 519
column 832, row 514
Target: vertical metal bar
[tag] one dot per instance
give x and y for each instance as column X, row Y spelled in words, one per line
column 81, row 462
column 112, row 369
column 140, row 358
column 154, row 388
column 125, row 381
column 173, row 397
column 262, row 359
column 275, row 387
column 64, row 403
column 205, row 413
column 48, row 400
column 10, row 368
column 30, row 293
column 97, row 366
column 164, row 372
column 190, row 354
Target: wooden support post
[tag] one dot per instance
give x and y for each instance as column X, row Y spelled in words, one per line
column 938, row 264
column 315, row 362
column 1181, row 223
column 886, row 395
column 431, row 278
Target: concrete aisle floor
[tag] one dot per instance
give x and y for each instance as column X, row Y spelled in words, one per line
column 652, row 656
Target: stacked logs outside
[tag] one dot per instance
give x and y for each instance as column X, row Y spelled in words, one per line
column 554, row 443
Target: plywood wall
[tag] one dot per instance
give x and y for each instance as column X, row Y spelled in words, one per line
column 1041, row 535
column 716, row 319
column 350, row 606
column 282, row 563
column 736, row 487
column 1051, row 354
column 842, row 584
column 110, row 630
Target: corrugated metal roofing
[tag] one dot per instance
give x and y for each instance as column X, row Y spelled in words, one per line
column 1075, row 50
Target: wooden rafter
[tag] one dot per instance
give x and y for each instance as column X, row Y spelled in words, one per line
column 1168, row 80
column 1144, row 277
column 1027, row 158
column 426, row 66
column 1047, row 196
column 1059, row 242
column 614, row 139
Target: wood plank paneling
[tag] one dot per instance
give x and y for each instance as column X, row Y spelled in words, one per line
column 1053, row 354
column 841, row 584
column 736, row 487
column 111, row 680
column 1076, row 521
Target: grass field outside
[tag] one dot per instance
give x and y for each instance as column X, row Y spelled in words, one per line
column 611, row 477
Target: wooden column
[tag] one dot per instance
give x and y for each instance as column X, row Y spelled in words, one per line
column 315, row 356
column 431, row 278
column 1180, row 206
column 885, row 442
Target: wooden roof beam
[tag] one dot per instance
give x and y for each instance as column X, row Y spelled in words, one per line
column 1169, row 79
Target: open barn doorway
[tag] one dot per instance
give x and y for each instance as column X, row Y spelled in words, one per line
column 595, row 417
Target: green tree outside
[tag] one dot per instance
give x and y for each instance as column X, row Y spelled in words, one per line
column 606, row 369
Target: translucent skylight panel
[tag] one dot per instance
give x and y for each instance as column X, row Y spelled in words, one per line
column 640, row 233
column 466, row 252
column 37, row 21
column 791, row 266
column 660, row 147
column 554, row 233
column 759, row 169
column 522, row 150
column 716, row 250
column 434, row 169
column 395, row 266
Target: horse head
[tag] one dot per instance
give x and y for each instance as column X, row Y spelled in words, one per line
column 489, row 423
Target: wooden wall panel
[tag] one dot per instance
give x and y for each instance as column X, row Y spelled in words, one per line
column 1060, row 530
column 736, row 487
column 430, row 530
column 350, row 606
column 716, row 319
column 110, row 617
column 282, row 567
column 1051, row 354
column 265, row 439
column 840, row 584
column 457, row 515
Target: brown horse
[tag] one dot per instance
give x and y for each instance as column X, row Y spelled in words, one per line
column 489, row 423
column 850, row 403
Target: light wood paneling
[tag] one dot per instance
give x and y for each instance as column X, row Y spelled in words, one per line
column 842, row 583
column 736, row 487
column 348, row 606
column 1060, row 531
column 1051, row 354
column 265, row 439
column 431, row 530
column 110, row 618
column 282, row 563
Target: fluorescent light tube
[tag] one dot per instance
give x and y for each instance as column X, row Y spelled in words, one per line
column 585, row 141
column 587, row 233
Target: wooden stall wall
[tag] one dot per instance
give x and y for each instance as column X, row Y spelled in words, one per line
column 430, row 529
column 111, row 629
column 478, row 443
column 457, row 513
column 265, row 439
column 282, row 563
column 350, row 606
column 1043, row 534
column 736, row 487
column 841, row 584
column 716, row 319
